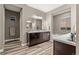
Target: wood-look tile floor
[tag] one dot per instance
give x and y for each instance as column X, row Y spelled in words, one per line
column 45, row 48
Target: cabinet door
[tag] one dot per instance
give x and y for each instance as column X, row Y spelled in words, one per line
column 63, row 49
column 36, row 38
column 33, row 38
column 46, row 36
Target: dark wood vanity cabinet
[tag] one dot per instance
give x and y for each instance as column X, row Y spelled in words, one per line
column 37, row 37
column 63, row 49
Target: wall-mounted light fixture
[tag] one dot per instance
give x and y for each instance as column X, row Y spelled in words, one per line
column 37, row 17
column 28, row 21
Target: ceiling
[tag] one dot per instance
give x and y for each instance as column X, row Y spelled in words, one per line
column 45, row 7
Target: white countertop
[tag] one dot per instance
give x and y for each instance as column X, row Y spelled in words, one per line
column 65, row 38
column 38, row 31
column 66, row 41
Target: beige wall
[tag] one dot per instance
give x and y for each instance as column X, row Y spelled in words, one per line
column 77, row 32
column 73, row 17
column 1, row 27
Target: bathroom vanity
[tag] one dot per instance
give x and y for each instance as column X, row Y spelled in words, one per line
column 36, row 37
column 61, row 47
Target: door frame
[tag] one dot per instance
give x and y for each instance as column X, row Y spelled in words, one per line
column 19, row 24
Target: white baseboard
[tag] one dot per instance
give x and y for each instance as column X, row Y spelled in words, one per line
column 24, row 44
column 1, row 50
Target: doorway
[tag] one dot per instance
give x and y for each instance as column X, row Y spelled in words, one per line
column 12, row 29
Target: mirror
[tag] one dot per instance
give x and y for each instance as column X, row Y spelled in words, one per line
column 34, row 24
